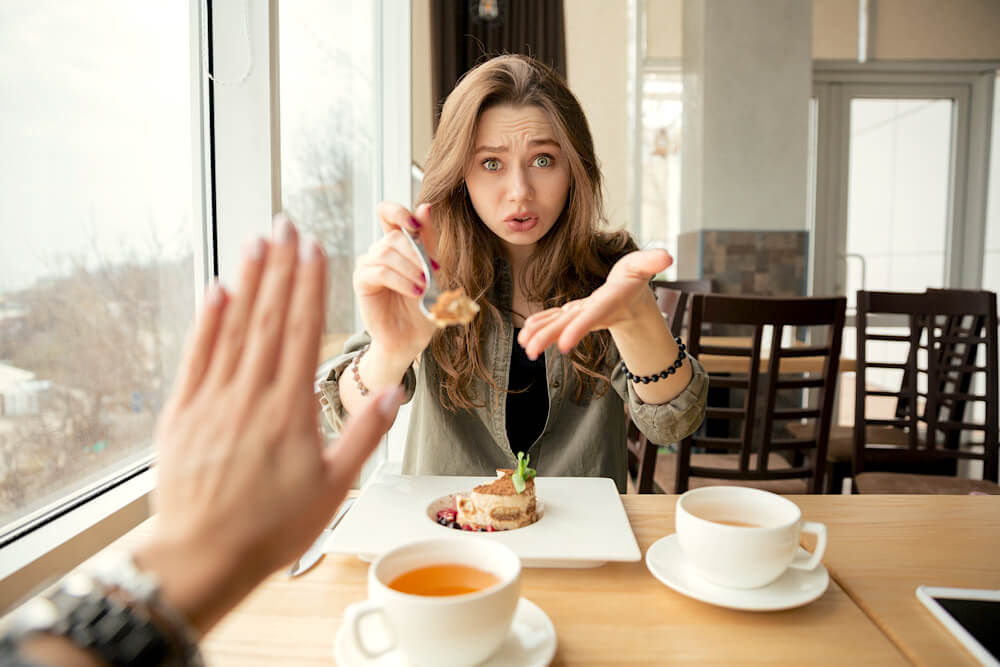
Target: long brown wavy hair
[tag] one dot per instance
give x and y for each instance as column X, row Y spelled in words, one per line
column 569, row 262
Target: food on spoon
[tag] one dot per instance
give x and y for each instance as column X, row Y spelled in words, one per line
column 506, row 503
column 453, row 307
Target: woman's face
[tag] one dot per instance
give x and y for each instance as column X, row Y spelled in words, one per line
column 518, row 177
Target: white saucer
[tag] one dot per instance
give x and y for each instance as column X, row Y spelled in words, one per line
column 794, row 588
column 531, row 642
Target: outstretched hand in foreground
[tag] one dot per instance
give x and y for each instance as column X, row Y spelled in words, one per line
column 244, row 482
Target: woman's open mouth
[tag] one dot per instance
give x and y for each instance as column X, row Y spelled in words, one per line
column 521, row 223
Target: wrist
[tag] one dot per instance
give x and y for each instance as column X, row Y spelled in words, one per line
column 645, row 324
column 383, row 366
column 200, row 585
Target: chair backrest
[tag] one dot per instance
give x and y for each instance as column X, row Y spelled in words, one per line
column 673, row 296
column 949, row 331
column 672, row 303
column 780, row 314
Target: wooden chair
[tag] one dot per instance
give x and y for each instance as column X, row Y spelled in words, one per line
column 672, row 303
column 948, row 331
column 681, row 290
column 840, row 453
column 672, row 298
column 756, row 457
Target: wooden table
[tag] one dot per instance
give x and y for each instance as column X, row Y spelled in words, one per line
column 718, row 363
column 880, row 548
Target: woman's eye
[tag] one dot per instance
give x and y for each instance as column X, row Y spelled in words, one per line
column 543, row 161
column 491, row 164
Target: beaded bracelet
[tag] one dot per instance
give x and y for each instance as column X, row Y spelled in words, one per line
column 669, row 370
column 357, row 374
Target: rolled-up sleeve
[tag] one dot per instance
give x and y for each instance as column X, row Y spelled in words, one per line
column 675, row 420
column 328, row 388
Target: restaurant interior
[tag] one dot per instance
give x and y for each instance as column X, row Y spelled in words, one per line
column 825, row 175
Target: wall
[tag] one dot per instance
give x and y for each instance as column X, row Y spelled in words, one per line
column 904, row 29
column 746, row 103
column 664, row 29
column 596, row 48
column 420, row 68
column 910, row 29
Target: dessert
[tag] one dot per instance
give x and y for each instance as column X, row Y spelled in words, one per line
column 505, row 503
column 453, row 307
column 498, row 504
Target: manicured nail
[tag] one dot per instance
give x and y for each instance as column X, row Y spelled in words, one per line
column 215, row 293
column 255, row 248
column 390, row 401
column 418, row 289
column 308, row 250
column 434, row 265
column 423, row 277
column 282, row 227
column 416, row 223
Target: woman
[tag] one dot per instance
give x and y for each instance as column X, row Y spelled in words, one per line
column 512, row 213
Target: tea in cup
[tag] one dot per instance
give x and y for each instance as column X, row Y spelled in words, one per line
column 446, row 601
column 742, row 537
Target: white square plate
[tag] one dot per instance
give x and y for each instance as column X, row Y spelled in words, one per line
column 583, row 522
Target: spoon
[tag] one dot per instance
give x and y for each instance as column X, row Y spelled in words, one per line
column 432, row 291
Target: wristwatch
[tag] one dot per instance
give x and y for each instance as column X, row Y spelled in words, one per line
column 114, row 612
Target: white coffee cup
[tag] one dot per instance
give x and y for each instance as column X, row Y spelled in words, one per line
column 744, row 556
column 440, row 630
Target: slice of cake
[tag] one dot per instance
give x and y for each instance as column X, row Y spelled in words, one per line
column 498, row 504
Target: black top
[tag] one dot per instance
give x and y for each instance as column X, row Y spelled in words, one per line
column 526, row 410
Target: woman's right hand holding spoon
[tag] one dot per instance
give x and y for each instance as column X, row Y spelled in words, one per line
column 389, row 282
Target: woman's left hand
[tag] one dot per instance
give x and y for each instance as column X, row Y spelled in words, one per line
column 618, row 301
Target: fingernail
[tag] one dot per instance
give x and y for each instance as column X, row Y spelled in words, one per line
column 308, row 250
column 390, row 401
column 416, row 223
column 214, row 292
column 434, row 265
column 281, row 227
column 255, row 248
column 423, row 277
column 418, row 289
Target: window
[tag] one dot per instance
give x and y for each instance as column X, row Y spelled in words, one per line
column 661, row 162
column 328, row 139
column 118, row 204
column 345, row 143
column 96, row 265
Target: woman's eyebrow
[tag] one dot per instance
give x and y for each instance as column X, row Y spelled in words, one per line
column 533, row 143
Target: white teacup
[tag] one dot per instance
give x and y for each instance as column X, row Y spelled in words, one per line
column 742, row 537
column 462, row 629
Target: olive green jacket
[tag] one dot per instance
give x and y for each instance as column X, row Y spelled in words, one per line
column 585, row 440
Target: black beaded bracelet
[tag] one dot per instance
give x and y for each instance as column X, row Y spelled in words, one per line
column 668, row 371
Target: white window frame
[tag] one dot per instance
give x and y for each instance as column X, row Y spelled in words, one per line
column 236, row 189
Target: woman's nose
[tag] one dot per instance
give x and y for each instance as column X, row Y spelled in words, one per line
column 519, row 187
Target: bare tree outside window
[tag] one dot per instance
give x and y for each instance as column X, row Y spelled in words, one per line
column 96, row 271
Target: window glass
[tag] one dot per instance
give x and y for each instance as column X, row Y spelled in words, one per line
column 661, row 163
column 96, row 268
column 328, row 138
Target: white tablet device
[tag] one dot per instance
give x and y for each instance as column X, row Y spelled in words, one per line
column 972, row 615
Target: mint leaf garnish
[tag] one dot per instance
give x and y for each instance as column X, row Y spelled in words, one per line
column 523, row 473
